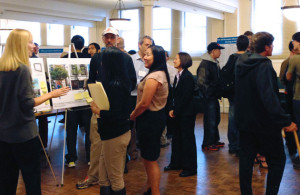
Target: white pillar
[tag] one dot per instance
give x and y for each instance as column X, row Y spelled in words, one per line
column 148, row 16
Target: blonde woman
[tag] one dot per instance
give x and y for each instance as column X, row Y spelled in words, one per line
column 19, row 143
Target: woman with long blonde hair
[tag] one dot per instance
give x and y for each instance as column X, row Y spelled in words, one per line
column 19, row 143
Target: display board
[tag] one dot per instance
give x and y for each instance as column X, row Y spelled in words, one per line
column 39, row 82
column 71, row 72
column 229, row 43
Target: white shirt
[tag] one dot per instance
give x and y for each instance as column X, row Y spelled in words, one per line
column 172, row 72
column 178, row 76
column 140, row 70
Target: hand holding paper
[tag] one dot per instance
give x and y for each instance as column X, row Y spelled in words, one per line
column 99, row 96
column 95, row 109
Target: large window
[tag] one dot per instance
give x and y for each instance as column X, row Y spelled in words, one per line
column 130, row 33
column 55, row 34
column 267, row 16
column 162, row 23
column 33, row 27
column 81, row 30
column 193, row 33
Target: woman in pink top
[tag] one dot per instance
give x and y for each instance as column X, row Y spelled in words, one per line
column 150, row 113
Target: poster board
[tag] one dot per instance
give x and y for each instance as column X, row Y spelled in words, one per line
column 39, row 82
column 46, row 52
column 71, row 72
column 229, row 43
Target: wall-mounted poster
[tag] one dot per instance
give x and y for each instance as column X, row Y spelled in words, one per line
column 73, row 73
column 230, row 47
column 39, row 82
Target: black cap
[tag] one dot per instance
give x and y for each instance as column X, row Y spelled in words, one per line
column 214, row 45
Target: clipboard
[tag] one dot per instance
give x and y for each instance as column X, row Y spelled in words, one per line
column 99, row 95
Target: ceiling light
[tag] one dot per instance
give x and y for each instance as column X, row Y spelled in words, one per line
column 119, row 23
column 291, row 12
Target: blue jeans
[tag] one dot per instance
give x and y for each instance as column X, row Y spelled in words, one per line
column 233, row 133
column 211, row 122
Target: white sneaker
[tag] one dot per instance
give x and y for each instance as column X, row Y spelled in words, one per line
column 71, row 164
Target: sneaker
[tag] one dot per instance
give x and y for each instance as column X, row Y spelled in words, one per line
column 70, row 164
column 89, row 163
column 210, row 148
column 219, row 144
column 85, row 183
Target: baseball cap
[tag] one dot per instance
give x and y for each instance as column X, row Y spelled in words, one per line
column 214, row 45
column 111, row 30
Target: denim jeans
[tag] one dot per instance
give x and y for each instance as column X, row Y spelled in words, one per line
column 233, row 133
column 211, row 122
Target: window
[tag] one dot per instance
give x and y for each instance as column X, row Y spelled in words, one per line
column 162, row 23
column 193, row 33
column 33, row 27
column 81, row 30
column 269, row 20
column 55, row 34
column 131, row 31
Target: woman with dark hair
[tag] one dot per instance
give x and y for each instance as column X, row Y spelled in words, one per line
column 114, row 124
column 184, row 154
column 150, row 113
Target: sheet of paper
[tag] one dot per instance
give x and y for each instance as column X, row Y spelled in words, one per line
column 99, row 95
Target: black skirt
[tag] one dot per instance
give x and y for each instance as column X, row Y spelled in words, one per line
column 149, row 127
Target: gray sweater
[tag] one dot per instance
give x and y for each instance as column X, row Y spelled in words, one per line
column 17, row 120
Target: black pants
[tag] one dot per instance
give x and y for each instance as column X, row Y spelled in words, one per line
column 184, row 153
column 289, row 136
column 73, row 118
column 20, row 156
column 271, row 144
column 43, row 129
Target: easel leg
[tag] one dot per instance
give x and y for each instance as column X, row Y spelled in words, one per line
column 48, row 161
column 53, row 131
column 64, row 150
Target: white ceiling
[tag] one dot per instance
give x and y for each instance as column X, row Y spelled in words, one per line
column 106, row 4
column 86, row 12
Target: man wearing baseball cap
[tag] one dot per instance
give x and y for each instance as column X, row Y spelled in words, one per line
column 110, row 37
column 208, row 81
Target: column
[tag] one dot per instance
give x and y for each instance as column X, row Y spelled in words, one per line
column 148, row 16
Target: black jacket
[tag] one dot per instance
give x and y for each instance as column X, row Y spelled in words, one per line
column 208, row 77
column 257, row 106
column 115, row 121
column 95, row 69
column 182, row 96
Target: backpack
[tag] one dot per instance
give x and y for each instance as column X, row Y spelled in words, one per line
column 227, row 77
